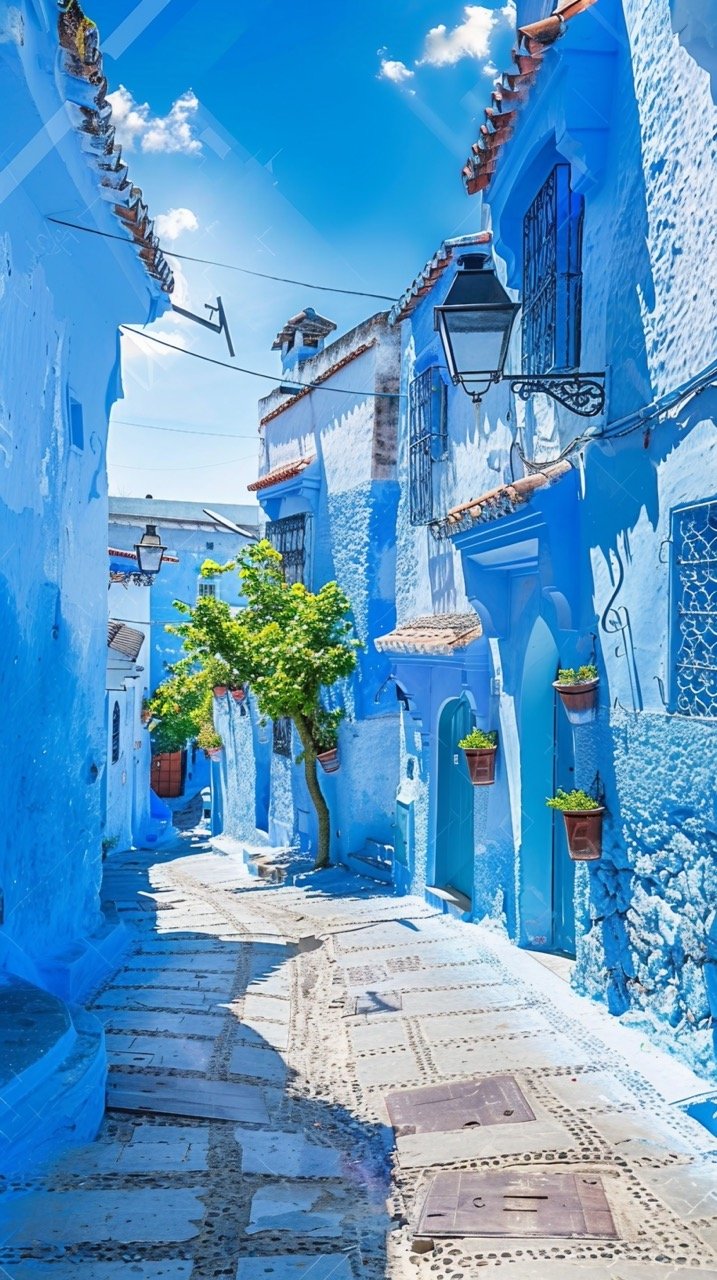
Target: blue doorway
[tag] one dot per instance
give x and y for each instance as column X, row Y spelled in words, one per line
column 454, row 802
column 547, row 876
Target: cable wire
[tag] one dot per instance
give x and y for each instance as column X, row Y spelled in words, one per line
column 226, row 266
column 268, row 377
column 184, row 431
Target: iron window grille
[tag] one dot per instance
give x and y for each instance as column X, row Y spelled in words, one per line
column 282, row 737
column 552, row 277
column 694, row 617
column 115, row 733
column 428, row 440
column 288, row 536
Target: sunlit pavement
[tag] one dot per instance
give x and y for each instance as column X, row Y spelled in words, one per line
column 254, row 1035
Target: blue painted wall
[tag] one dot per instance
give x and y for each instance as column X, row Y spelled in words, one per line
column 585, row 567
column 59, row 342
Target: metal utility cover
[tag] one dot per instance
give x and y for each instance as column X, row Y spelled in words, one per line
column 571, row 1205
column 463, row 1104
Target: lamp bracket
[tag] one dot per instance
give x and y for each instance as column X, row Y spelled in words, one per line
column 582, row 393
column 216, row 326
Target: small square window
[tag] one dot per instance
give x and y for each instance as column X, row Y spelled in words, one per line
column 210, row 546
column 206, row 588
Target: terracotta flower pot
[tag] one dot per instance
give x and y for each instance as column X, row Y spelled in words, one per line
column 329, row 760
column 145, row 716
column 481, row 765
column 238, row 694
column 220, row 690
column 583, row 828
column 213, row 753
column 579, row 700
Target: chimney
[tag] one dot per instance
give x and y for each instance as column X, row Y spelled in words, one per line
column 303, row 336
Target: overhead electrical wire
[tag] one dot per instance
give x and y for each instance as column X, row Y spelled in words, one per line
column 225, row 266
column 184, row 431
column 296, row 387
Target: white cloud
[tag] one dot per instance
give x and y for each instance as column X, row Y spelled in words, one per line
column 171, row 224
column 490, row 70
column 470, row 38
column 395, row 71
column 136, row 125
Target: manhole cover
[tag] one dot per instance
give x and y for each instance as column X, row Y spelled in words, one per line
column 378, row 1002
column 463, row 1104
column 572, row 1205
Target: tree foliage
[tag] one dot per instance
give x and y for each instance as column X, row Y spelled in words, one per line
column 288, row 644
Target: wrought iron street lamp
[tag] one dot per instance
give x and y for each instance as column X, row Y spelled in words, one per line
column 475, row 324
column 149, row 551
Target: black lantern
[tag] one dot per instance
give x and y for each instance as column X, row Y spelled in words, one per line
column 149, row 551
column 476, row 322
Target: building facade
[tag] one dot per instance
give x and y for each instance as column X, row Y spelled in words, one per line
column 567, row 540
column 59, row 376
column 327, row 486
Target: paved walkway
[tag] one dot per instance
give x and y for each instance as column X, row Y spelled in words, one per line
column 254, row 1036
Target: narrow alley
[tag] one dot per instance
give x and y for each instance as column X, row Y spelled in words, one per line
column 257, row 1034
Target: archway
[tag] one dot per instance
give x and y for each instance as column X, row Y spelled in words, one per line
column 454, row 802
column 547, row 907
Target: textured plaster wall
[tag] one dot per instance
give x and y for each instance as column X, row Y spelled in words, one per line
column 59, row 333
column 645, row 911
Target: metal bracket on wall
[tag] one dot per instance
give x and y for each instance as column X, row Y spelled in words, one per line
column 581, row 393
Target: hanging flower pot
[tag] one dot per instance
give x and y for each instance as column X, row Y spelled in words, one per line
column 578, row 693
column 329, row 760
column 480, row 749
column 220, row 690
column 238, row 694
column 582, row 816
column 213, row 753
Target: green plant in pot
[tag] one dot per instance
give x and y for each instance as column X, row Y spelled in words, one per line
column 325, row 730
column 582, row 815
column 209, row 741
column 577, row 689
column 480, row 747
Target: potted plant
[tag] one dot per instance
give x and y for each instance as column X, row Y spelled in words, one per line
column 210, row 741
column 578, row 692
column 582, row 815
column 145, row 714
column 480, row 747
column 325, row 727
column 220, row 690
column 238, row 694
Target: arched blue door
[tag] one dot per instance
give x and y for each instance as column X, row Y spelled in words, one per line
column 454, row 802
column 547, row 913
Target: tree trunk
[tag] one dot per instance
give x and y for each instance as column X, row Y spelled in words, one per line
column 312, row 783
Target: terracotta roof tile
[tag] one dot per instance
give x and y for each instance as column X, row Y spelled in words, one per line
column 286, row 471
column 433, row 269
column 443, row 633
column 92, row 114
column 123, row 639
column 498, row 502
column 512, row 88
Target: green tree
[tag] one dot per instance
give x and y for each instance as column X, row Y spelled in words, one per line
column 289, row 644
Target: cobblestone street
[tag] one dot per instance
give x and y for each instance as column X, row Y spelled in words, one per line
column 254, row 1034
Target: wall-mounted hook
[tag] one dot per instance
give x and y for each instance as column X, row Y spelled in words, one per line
column 666, row 542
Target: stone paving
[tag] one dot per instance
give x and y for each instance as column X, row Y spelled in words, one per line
column 254, row 1036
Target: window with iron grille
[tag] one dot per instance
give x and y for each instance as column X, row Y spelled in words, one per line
column 694, row 610
column 288, row 537
column 427, row 440
column 205, row 587
column 115, row 732
column 552, row 278
column 282, row 737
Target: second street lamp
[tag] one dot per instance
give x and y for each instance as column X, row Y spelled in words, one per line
column 149, row 551
column 475, row 323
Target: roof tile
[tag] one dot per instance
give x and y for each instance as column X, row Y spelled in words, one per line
column 443, row 633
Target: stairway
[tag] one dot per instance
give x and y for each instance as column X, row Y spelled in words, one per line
column 53, row 1074
column 375, row 861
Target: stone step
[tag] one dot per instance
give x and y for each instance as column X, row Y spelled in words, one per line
column 374, row 861
column 58, row 1099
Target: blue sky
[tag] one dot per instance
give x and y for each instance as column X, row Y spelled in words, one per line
column 319, row 142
